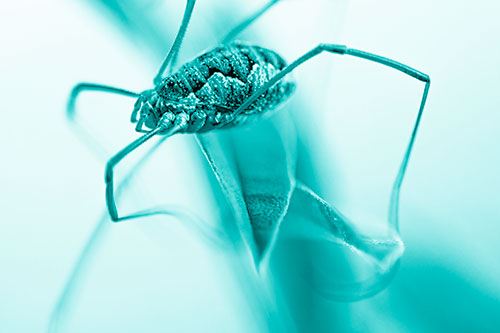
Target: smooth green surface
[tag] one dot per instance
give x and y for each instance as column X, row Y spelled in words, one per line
column 353, row 118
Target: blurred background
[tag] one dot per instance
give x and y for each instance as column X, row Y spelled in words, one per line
column 161, row 275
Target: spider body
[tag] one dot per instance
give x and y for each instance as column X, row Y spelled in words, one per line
column 227, row 86
column 206, row 91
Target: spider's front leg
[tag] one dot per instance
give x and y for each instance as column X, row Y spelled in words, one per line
column 166, row 128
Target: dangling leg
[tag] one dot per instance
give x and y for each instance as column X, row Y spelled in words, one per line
column 341, row 49
column 243, row 25
column 80, row 130
column 171, row 58
column 164, row 128
column 108, row 178
column 89, row 250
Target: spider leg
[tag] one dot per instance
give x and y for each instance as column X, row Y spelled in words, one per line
column 171, row 57
column 85, row 134
column 84, row 86
column 344, row 50
column 89, row 250
column 110, row 197
column 180, row 123
column 243, row 25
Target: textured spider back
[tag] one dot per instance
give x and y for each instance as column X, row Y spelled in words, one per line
column 217, row 82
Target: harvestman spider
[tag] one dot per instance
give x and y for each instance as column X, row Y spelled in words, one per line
column 175, row 104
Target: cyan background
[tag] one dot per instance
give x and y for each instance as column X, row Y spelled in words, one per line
column 161, row 274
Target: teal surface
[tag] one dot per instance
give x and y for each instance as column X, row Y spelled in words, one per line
column 325, row 163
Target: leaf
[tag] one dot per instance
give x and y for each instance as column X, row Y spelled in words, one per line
column 371, row 259
column 255, row 167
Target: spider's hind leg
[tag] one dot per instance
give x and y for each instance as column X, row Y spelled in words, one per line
column 344, row 50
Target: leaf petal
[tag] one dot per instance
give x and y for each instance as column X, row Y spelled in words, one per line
column 255, row 167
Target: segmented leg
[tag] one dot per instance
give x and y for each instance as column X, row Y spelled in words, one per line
column 341, row 49
column 171, row 58
column 113, row 161
column 86, row 255
column 70, row 110
column 82, row 132
column 337, row 49
column 243, row 25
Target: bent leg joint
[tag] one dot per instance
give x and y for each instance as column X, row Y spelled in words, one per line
column 333, row 48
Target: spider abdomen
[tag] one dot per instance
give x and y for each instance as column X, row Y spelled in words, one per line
column 217, row 82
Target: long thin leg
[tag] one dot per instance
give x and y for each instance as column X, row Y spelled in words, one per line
column 341, row 49
column 336, row 49
column 81, row 131
column 243, row 25
column 396, row 188
column 113, row 161
column 87, row 254
column 174, row 50
column 84, row 86
column 108, row 178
